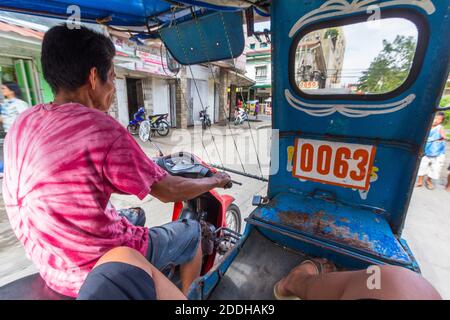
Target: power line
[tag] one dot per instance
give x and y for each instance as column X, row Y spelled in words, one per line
column 214, row 77
column 234, row 64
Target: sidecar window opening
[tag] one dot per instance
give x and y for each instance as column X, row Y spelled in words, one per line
column 337, row 75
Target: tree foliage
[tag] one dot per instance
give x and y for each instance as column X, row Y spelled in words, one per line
column 445, row 102
column 332, row 33
column 390, row 68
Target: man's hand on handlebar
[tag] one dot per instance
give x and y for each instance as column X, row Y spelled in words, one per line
column 174, row 189
column 223, row 180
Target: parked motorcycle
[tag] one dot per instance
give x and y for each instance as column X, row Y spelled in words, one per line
column 240, row 117
column 204, row 118
column 138, row 117
column 156, row 123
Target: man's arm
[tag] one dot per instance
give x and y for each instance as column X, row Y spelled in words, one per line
column 174, row 189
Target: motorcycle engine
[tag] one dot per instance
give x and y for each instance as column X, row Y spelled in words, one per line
column 208, row 237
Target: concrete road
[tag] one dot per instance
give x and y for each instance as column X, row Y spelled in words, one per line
column 427, row 231
column 427, row 227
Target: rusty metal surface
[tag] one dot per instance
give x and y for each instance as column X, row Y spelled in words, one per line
column 324, row 226
column 349, row 227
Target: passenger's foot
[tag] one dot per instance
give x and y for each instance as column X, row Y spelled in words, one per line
column 429, row 185
column 419, row 181
column 283, row 288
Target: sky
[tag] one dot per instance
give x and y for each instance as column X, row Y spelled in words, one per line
column 365, row 40
column 262, row 25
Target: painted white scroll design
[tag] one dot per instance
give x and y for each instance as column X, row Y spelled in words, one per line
column 349, row 110
column 336, row 8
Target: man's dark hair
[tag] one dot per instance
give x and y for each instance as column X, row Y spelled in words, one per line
column 69, row 55
column 441, row 114
column 14, row 87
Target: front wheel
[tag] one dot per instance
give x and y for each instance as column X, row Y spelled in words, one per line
column 133, row 129
column 233, row 218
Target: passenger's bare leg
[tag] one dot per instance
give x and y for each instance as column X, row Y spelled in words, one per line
column 191, row 270
column 448, row 183
column 396, row 284
column 165, row 289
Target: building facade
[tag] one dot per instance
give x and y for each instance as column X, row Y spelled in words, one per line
column 143, row 75
column 259, row 68
column 141, row 81
column 319, row 59
column 20, row 50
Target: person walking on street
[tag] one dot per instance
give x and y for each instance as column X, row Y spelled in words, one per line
column 434, row 157
column 13, row 105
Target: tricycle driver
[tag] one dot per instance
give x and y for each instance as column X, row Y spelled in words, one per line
column 64, row 159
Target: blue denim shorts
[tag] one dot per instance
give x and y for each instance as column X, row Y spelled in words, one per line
column 174, row 243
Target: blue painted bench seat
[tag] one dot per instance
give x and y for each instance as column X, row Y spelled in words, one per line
column 354, row 228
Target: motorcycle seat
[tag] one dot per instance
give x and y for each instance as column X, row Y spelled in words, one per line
column 32, row 287
column 158, row 115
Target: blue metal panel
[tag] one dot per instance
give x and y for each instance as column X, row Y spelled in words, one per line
column 387, row 191
column 211, row 6
column 122, row 12
column 357, row 229
column 217, row 36
column 399, row 135
column 348, row 260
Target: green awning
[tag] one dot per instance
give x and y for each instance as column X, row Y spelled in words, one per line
column 261, row 86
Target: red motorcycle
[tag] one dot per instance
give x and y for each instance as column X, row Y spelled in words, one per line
column 219, row 216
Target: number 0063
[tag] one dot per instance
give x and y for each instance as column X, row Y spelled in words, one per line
column 341, row 164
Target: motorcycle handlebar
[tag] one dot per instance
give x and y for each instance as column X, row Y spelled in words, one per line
column 229, row 185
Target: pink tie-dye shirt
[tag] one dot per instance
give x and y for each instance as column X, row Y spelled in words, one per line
column 61, row 165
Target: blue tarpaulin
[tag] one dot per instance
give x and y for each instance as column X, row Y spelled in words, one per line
column 189, row 42
column 116, row 12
